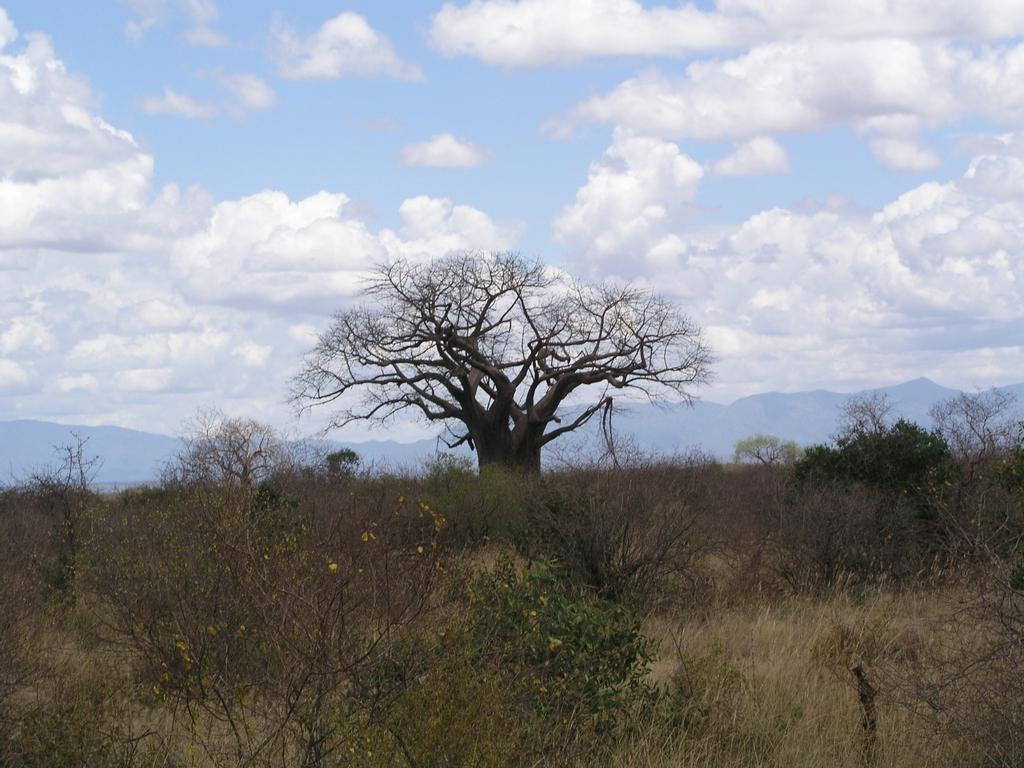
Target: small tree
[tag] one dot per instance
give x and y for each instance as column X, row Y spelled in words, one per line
column 767, row 450
column 978, row 427
column 342, row 463
column 867, row 414
column 904, row 459
column 236, row 451
column 64, row 492
column 499, row 348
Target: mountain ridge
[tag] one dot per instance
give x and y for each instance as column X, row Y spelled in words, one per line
column 134, row 456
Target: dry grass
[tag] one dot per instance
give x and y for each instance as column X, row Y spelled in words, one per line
column 117, row 666
column 768, row 690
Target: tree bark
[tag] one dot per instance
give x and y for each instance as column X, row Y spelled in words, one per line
column 500, row 445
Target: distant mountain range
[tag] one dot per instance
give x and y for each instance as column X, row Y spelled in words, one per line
column 129, row 456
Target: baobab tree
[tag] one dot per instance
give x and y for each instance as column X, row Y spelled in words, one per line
column 509, row 354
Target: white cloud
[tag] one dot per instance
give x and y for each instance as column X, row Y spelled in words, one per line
column 344, row 46
column 249, row 91
column 929, row 284
column 444, row 151
column 304, row 333
column 903, row 154
column 90, row 302
column 110, row 349
column 149, row 380
column 84, row 383
column 206, row 37
column 155, row 314
column 268, row 250
column 759, row 156
column 433, row 226
column 533, row 33
column 202, row 12
column 984, row 20
column 252, row 354
column 24, row 334
column 12, row 375
column 638, row 188
column 45, row 129
column 8, row 33
column 148, row 14
column 178, row 105
column 783, row 88
column 530, row 33
column 887, row 87
column 70, row 178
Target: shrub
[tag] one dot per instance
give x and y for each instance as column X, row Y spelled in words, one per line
column 836, row 532
column 878, row 494
column 972, row 683
column 903, row 459
column 237, row 613
column 62, row 495
column 489, row 505
column 435, row 703
column 572, row 653
column 627, row 534
column 1013, row 470
column 81, row 721
column 342, row 463
column 24, row 537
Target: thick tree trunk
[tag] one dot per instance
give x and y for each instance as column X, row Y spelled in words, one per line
column 499, row 446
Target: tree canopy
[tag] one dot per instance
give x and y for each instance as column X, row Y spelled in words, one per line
column 508, row 353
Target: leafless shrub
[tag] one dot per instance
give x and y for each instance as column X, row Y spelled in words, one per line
column 971, row 683
column 251, row 617
column 978, row 427
column 62, row 494
column 626, row 533
column 868, row 414
column 22, row 537
column 829, row 533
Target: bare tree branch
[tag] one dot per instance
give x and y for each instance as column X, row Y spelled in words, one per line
column 496, row 346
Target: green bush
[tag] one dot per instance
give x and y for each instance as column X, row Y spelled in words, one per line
column 1013, row 469
column 903, row 458
column 275, row 515
column 435, row 704
column 572, row 651
column 489, row 505
column 85, row 721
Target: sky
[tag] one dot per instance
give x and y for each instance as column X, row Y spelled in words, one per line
column 189, row 189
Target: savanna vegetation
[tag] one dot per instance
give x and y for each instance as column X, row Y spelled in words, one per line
column 859, row 604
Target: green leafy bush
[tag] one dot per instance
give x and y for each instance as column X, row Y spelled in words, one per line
column 434, row 703
column 573, row 652
column 480, row 506
column 1013, row 469
column 81, row 721
column 903, row 458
